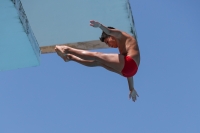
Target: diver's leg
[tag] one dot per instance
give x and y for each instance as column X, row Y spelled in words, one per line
column 89, row 63
column 113, row 61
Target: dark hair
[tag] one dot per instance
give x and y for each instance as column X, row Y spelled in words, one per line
column 104, row 35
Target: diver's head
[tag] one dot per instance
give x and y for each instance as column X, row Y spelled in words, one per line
column 108, row 39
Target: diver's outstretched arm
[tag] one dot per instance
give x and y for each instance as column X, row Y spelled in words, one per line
column 133, row 93
column 113, row 32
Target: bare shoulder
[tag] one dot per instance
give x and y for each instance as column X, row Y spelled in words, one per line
column 128, row 37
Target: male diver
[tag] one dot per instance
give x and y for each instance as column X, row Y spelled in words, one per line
column 125, row 63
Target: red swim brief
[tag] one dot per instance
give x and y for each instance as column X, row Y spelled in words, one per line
column 130, row 67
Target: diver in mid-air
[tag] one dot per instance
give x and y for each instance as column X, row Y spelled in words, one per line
column 125, row 63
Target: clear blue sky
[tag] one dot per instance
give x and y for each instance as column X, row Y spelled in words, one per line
column 59, row 97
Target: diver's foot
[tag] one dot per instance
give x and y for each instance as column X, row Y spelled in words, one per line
column 61, row 52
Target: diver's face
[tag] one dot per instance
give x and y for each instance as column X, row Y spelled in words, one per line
column 111, row 42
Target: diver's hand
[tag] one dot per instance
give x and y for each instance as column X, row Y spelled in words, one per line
column 94, row 24
column 133, row 94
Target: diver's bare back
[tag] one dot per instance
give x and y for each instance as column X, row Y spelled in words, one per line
column 128, row 46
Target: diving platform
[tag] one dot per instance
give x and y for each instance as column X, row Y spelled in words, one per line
column 32, row 28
